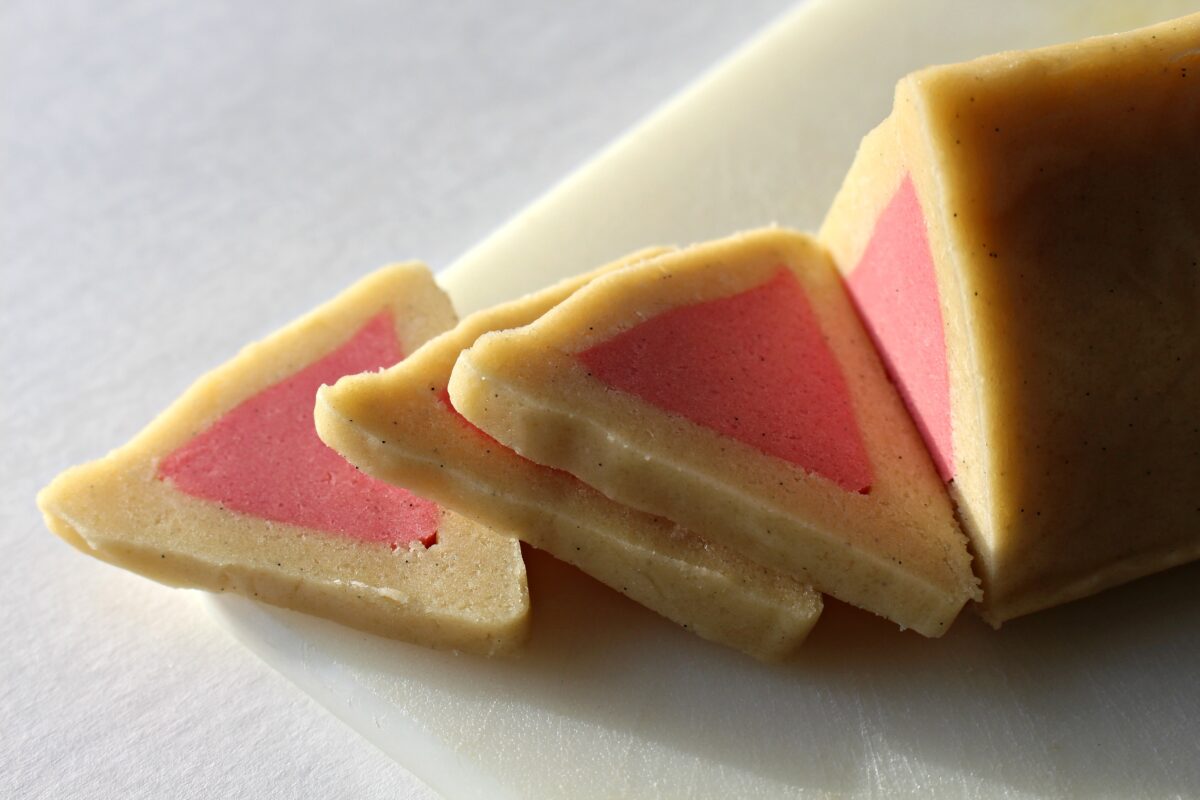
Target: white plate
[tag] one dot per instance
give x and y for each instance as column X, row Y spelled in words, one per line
column 1095, row 699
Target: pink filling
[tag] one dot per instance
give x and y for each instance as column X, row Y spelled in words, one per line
column 263, row 458
column 754, row 367
column 896, row 292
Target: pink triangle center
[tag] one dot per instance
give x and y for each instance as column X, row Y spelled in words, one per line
column 895, row 289
column 263, row 458
column 754, row 367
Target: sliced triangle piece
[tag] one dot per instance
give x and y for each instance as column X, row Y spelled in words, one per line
column 1021, row 237
column 730, row 388
column 230, row 489
column 398, row 425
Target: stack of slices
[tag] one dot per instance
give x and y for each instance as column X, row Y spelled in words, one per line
column 998, row 327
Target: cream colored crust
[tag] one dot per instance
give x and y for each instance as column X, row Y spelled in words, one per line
column 1061, row 188
column 708, row 589
column 466, row 592
column 879, row 167
column 896, row 551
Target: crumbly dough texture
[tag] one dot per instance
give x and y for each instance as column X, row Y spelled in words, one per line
column 468, row 591
column 1061, row 193
column 693, row 581
column 896, row 551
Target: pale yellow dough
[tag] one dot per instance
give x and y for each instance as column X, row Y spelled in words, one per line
column 896, row 551
column 468, row 591
column 691, row 580
column 1061, row 194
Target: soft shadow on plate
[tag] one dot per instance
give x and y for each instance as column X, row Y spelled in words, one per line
column 1071, row 700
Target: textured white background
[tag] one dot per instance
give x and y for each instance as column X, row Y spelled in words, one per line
column 178, row 178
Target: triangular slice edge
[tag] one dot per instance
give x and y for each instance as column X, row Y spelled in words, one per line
column 707, row 588
column 229, row 489
column 892, row 546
